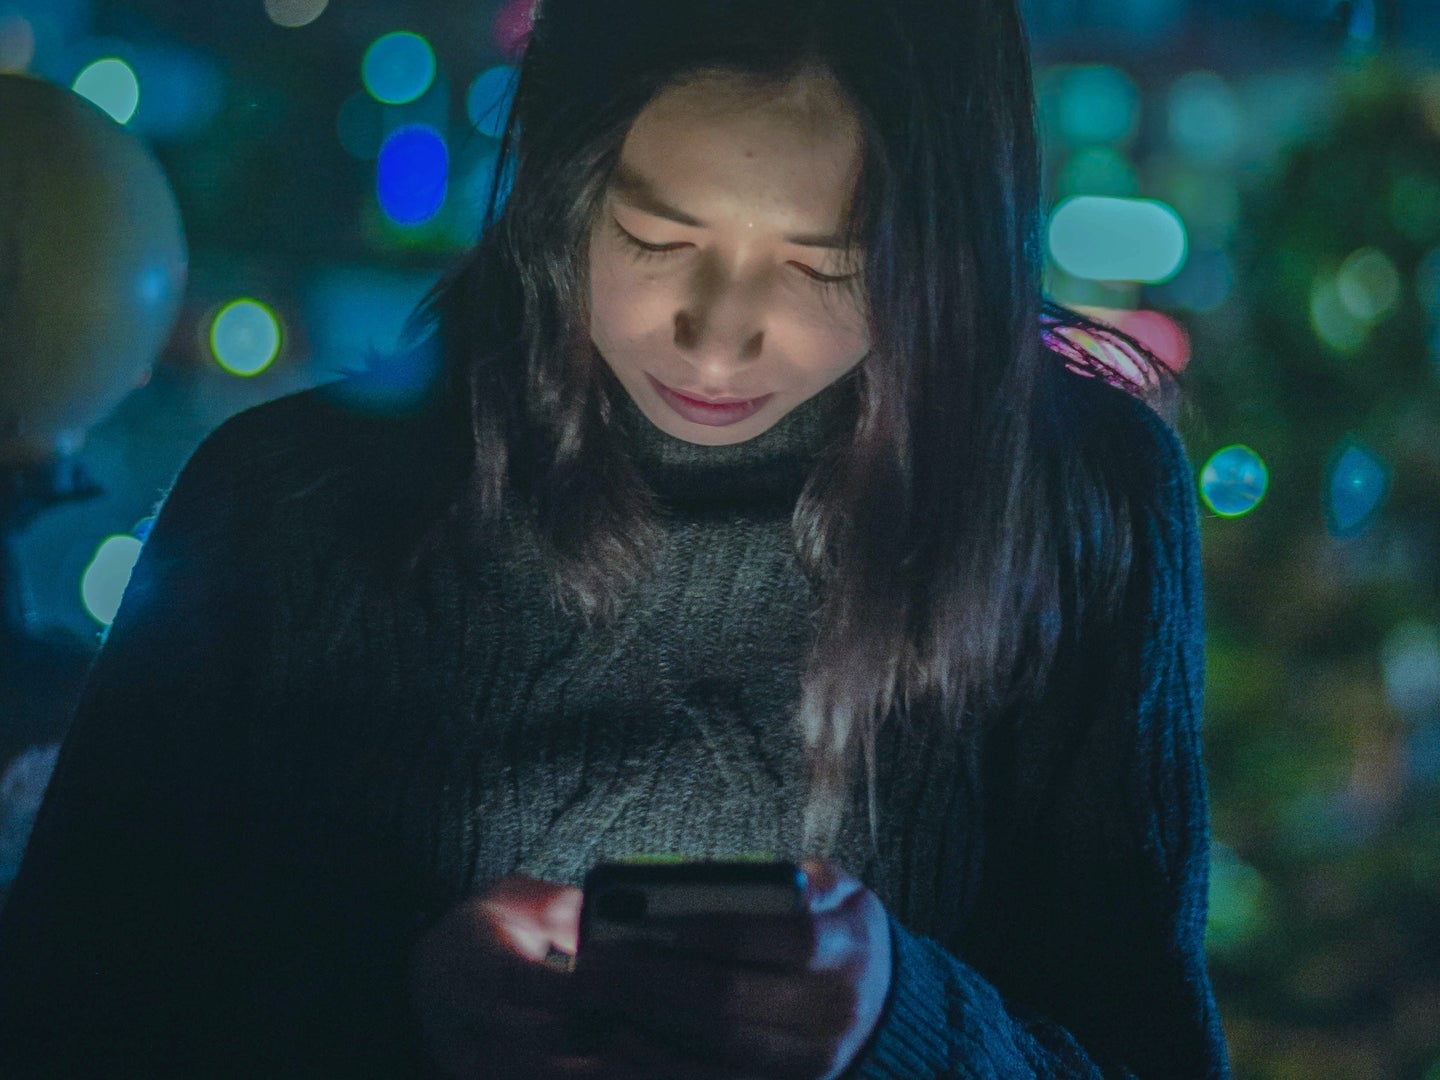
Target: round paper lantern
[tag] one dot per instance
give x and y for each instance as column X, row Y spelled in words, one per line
column 92, row 266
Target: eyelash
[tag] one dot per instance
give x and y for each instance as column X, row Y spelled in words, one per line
column 643, row 252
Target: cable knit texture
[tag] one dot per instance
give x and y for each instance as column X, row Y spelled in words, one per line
column 289, row 760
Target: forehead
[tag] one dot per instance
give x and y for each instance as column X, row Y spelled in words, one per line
column 722, row 145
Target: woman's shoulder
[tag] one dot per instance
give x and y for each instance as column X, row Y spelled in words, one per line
column 314, row 451
column 1130, row 436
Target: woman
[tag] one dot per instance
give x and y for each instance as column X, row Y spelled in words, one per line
column 922, row 609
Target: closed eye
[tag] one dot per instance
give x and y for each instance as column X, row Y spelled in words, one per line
column 642, row 251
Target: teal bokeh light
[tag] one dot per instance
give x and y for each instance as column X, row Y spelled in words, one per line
column 1234, row 481
column 103, row 583
column 245, row 337
column 111, row 84
column 1107, row 239
column 398, row 68
column 1095, row 103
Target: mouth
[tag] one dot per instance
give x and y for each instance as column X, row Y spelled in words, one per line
column 703, row 399
column 708, row 411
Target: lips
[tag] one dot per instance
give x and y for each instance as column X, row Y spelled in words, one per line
column 703, row 400
column 708, row 412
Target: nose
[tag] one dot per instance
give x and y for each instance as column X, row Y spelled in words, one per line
column 720, row 326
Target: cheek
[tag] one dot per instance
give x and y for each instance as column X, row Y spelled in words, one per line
column 839, row 336
column 620, row 302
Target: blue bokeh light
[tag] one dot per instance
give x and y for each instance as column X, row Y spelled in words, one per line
column 1357, row 485
column 412, row 175
column 1234, row 481
column 488, row 101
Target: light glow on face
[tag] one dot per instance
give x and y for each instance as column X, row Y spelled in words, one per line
column 716, row 264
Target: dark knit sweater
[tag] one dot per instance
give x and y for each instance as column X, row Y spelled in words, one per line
column 288, row 761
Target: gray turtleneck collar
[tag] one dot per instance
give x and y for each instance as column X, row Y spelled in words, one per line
column 771, row 466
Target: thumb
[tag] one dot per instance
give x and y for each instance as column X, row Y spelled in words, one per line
column 535, row 915
column 562, row 918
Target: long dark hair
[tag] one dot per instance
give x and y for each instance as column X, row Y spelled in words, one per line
column 939, row 530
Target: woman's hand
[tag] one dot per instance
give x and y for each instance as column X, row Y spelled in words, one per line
column 487, row 1003
column 489, row 1006
column 794, row 996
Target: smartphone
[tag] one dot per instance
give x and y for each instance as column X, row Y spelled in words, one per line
column 632, row 901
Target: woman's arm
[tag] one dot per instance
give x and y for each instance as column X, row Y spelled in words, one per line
column 1088, row 941
column 153, row 930
column 113, row 953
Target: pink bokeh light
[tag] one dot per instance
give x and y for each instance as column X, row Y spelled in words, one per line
column 512, row 26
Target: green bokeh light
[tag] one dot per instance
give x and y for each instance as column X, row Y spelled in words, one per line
column 245, row 337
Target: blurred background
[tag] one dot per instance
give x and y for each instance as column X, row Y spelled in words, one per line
column 1252, row 187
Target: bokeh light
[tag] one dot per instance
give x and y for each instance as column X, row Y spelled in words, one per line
column 488, row 102
column 245, row 337
column 17, row 43
column 103, row 583
column 1105, row 239
column 1410, row 657
column 1158, row 332
column 1355, row 488
column 111, row 84
column 511, row 28
column 1092, row 103
column 1238, row 904
column 1333, row 320
column 412, row 174
column 1206, row 121
column 293, row 13
column 1368, row 284
column 398, row 68
column 1234, row 481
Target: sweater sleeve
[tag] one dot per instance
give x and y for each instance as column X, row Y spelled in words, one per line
column 139, row 937
column 1092, row 962
column 110, row 961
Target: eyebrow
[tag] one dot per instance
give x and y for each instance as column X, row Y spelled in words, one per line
column 639, row 191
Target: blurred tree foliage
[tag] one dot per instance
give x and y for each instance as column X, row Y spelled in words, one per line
column 1323, row 603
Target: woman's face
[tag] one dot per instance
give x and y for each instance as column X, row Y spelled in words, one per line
column 712, row 257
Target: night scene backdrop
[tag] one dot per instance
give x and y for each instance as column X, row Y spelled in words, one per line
column 1251, row 187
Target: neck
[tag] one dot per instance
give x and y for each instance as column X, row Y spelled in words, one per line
column 771, row 466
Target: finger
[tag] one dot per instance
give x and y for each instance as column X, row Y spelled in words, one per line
column 828, row 887
column 535, row 915
column 562, row 919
